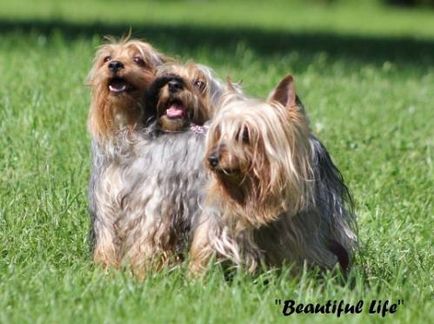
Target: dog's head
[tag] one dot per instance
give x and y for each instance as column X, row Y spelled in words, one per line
column 183, row 95
column 121, row 73
column 258, row 151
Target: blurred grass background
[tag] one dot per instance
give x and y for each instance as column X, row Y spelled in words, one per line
column 364, row 70
column 370, row 17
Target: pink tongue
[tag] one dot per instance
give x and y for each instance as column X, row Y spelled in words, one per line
column 175, row 111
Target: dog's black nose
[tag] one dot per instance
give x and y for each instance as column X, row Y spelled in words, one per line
column 115, row 66
column 174, row 85
column 213, row 160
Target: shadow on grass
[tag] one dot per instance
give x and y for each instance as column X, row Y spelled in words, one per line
column 363, row 49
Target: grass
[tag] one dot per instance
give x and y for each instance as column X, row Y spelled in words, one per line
column 366, row 76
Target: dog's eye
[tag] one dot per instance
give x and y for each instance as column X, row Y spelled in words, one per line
column 139, row 61
column 199, row 84
column 107, row 58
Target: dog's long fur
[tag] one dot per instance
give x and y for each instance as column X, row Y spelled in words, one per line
column 161, row 191
column 145, row 196
column 122, row 72
column 166, row 176
column 275, row 197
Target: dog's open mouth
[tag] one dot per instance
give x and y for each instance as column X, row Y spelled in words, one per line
column 118, row 85
column 175, row 110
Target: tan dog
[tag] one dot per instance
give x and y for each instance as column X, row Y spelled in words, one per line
column 274, row 196
column 119, row 78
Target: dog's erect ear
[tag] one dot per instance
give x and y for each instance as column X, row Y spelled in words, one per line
column 285, row 92
column 230, row 86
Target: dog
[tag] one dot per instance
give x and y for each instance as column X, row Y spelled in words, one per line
column 166, row 177
column 122, row 72
column 184, row 95
column 274, row 195
column 146, row 196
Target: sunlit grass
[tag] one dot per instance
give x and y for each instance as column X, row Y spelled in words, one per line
column 373, row 113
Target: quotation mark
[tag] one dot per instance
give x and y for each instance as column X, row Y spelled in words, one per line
column 278, row 301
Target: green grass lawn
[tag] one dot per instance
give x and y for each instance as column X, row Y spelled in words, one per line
column 366, row 76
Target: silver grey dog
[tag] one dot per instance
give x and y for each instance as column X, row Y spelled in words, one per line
column 146, row 186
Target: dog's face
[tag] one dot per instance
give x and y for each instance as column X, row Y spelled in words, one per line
column 122, row 72
column 237, row 145
column 257, row 148
column 125, row 68
column 184, row 94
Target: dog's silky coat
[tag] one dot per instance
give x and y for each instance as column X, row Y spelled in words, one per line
column 121, row 73
column 145, row 184
column 164, row 178
column 274, row 196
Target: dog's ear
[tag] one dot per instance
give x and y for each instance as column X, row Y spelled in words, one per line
column 230, row 85
column 285, row 92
